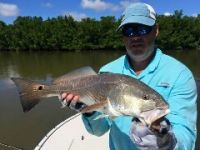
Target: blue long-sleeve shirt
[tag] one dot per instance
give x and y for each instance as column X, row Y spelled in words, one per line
column 174, row 81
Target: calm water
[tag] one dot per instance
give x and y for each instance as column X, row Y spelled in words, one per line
column 25, row 130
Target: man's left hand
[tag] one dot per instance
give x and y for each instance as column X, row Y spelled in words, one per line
column 158, row 136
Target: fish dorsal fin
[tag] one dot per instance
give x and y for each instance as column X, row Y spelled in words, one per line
column 81, row 72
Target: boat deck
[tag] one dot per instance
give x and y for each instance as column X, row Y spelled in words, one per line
column 72, row 135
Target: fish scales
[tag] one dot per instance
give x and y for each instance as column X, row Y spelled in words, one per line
column 111, row 94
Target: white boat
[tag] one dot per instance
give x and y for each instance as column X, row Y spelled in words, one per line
column 72, row 135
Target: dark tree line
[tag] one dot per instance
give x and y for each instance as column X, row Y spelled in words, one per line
column 64, row 33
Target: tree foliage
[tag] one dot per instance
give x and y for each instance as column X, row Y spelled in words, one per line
column 64, row 33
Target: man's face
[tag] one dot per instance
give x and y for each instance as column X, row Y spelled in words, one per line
column 139, row 40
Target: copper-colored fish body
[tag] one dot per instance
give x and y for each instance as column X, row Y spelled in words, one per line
column 111, row 94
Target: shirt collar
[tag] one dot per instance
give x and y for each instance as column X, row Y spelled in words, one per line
column 150, row 68
column 155, row 62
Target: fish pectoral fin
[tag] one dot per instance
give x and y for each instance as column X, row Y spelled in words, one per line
column 93, row 107
column 100, row 116
column 105, row 115
column 112, row 117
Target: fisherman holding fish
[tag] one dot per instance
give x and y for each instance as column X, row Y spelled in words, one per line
column 170, row 78
column 145, row 98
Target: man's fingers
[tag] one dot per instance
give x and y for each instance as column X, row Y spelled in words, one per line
column 76, row 98
column 63, row 96
column 69, row 97
column 72, row 101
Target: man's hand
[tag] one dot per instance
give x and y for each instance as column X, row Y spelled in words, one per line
column 68, row 97
column 72, row 101
column 158, row 136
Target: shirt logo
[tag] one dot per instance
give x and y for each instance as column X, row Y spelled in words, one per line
column 164, row 84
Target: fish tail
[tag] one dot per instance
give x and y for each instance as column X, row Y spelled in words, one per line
column 30, row 92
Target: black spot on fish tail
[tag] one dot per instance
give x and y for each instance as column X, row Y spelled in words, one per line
column 40, row 87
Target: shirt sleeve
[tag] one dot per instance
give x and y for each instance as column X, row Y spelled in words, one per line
column 96, row 126
column 183, row 115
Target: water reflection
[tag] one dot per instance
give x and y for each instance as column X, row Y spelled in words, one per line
column 26, row 130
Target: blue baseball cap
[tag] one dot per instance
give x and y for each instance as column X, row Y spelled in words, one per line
column 140, row 13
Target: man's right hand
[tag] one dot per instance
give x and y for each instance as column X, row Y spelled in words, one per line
column 69, row 98
column 72, row 101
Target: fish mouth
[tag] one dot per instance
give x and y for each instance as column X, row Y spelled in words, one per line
column 150, row 116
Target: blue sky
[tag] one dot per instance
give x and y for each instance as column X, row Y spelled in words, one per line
column 10, row 9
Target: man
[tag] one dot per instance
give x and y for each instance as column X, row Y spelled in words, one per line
column 169, row 77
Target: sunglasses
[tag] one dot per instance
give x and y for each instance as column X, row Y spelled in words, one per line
column 136, row 30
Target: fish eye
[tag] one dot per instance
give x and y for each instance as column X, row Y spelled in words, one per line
column 145, row 97
column 40, row 87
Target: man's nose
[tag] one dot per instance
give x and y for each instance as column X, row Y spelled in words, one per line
column 136, row 38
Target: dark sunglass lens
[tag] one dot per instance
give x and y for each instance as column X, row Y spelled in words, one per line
column 142, row 30
column 136, row 30
column 128, row 31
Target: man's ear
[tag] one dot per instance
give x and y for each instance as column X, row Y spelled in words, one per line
column 157, row 30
